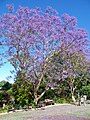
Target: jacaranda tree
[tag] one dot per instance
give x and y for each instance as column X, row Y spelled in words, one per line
column 31, row 36
column 69, row 69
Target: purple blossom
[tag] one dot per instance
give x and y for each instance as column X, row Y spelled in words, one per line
column 33, row 36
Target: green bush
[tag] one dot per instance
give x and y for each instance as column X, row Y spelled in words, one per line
column 3, row 110
column 33, row 104
column 60, row 100
column 17, row 106
column 85, row 91
column 6, row 108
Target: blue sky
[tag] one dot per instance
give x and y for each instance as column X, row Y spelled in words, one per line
column 77, row 8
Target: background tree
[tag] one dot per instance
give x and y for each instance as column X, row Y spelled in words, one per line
column 76, row 69
column 70, row 69
column 4, row 96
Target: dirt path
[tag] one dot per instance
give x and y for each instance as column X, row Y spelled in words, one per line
column 56, row 112
column 61, row 117
column 62, row 112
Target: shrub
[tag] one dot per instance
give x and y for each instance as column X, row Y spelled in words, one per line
column 60, row 100
column 85, row 91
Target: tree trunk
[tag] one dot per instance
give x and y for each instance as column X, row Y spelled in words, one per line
column 37, row 98
column 35, row 101
column 73, row 98
column 72, row 93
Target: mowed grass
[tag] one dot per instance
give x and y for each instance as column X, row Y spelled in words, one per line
column 56, row 110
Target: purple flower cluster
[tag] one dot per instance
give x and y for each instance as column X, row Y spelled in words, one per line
column 32, row 36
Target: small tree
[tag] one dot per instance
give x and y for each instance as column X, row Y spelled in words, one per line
column 70, row 68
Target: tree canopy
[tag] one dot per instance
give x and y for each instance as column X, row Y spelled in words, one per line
column 32, row 36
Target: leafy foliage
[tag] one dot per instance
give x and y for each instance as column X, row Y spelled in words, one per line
column 85, row 91
column 21, row 91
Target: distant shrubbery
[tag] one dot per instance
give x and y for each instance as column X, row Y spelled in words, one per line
column 86, row 91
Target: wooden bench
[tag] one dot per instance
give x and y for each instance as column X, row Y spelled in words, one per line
column 49, row 102
column 45, row 103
